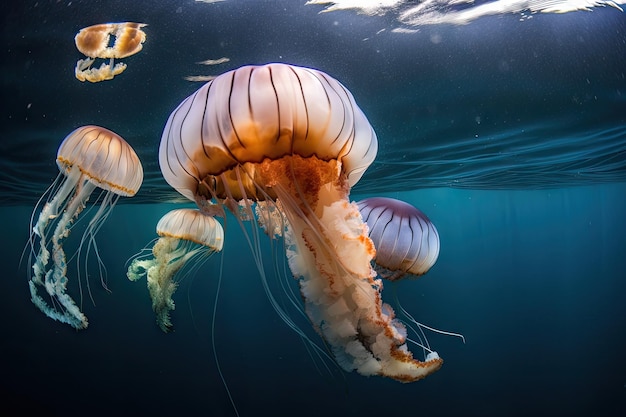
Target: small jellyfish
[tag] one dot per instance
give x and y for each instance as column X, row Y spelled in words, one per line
column 93, row 41
column 406, row 241
column 407, row 245
column 185, row 235
column 90, row 157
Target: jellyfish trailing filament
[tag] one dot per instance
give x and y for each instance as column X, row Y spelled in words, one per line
column 185, row 235
column 294, row 137
column 90, row 157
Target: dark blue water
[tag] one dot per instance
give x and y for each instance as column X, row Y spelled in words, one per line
column 533, row 279
column 510, row 135
column 496, row 103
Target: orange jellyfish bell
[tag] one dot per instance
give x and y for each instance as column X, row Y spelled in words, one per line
column 93, row 42
column 294, row 139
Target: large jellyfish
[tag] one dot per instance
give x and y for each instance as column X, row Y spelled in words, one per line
column 295, row 138
column 406, row 241
column 93, row 41
column 90, row 157
column 185, row 235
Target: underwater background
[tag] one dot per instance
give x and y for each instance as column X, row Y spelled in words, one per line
column 505, row 122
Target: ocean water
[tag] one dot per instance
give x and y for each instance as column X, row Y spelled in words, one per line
column 507, row 128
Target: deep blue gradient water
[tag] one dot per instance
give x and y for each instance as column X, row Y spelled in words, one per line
column 509, row 132
column 533, row 279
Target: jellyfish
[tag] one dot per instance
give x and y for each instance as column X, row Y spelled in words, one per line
column 407, row 245
column 406, row 241
column 294, row 139
column 90, row 157
column 185, row 235
column 93, row 41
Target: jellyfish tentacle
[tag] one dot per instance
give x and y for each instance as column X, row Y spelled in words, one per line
column 138, row 268
column 52, row 209
column 55, row 280
column 432, row 329
column 255, row 245
column 267, row 219
column 49, row 212
column 342, row 295
column 160, row 285
column 106, row 207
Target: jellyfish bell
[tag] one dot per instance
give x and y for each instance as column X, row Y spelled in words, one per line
column 282, row 118
column 406, row 241
column 185, row 236
column 95, row 42
column 90, row 157
column 295, row 137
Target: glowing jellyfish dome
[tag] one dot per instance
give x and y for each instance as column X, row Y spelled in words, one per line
column 185, row 235
column 90, row 157
column 294, row 139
